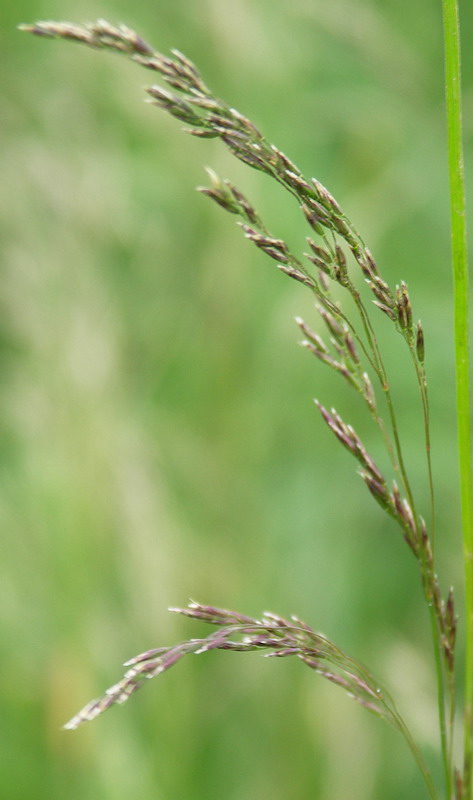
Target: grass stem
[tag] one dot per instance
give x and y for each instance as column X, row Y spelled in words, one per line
column 451, row 27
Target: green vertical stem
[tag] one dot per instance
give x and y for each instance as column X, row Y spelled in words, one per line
column 460, row 280
column 401, row 725
column 422, row 381
column 443, row 723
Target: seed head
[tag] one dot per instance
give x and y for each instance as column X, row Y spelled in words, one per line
column 420, row 347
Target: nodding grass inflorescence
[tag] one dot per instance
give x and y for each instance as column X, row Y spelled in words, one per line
column 337, row 257
column 273, row 635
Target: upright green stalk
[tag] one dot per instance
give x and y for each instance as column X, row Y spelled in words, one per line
column 460, row 280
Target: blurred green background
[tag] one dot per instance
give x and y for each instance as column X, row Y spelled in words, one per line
column 159, row 440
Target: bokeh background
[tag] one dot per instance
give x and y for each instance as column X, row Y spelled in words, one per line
column 159, row 440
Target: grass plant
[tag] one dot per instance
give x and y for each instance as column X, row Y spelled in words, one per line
column 337, row 264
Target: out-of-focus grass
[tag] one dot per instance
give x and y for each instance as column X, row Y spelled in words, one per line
column 158, row 437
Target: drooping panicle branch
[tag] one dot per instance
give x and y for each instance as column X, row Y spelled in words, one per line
column 271, row 634
column 208, row 115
